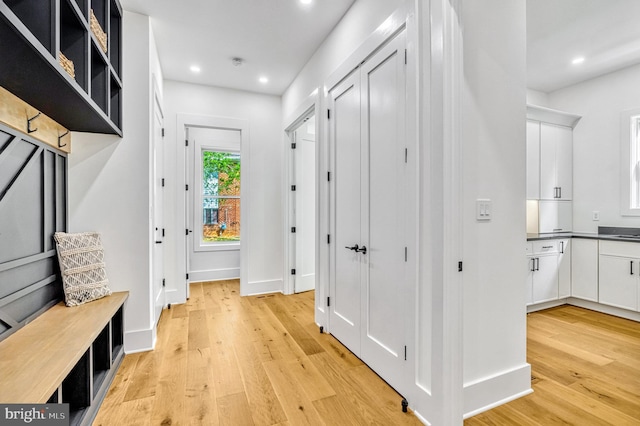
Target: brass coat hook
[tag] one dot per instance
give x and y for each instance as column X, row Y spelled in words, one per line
column 60, row 139
column 29, row 120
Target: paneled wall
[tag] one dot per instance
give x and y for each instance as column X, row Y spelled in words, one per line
column 33, row 205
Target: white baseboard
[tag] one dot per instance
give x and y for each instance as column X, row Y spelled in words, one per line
column 262, row 287
column 605, row 309
column 214, row 275
column 488, row 393
column 139, row 341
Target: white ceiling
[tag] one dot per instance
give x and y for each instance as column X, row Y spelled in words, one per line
column 605, row 32
column 276, row 38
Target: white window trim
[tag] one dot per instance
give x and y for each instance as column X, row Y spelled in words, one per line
column 198, row 244
column 629, row 154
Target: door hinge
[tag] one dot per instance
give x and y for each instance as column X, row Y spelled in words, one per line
column 328, row 238
column 328, row 114
column 163, row 132
column 186, row 187
column 405, row 254
column 163, row 232
column 405, row 352
column 187, row 276
column 460, row 266
column 186, row 142
column 293, row 272
column 186, row 232
column 293, row 145
column 328, row 176
column 328, row 301
column 405, row 56
column 164, row 283
column 293, row 229
column 406, row 154
column 293, row 187
column 163, row 182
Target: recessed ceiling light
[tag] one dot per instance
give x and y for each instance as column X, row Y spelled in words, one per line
column 195, row 68
column 263, row 80
column 578, row 60
column 306, row 1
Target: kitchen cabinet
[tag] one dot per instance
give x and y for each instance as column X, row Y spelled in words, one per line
column 542, row 280
column 584, row 269
column 564, row 268
column 618, row 277
column 555, row 216
column 84, row 94
column 556, row 162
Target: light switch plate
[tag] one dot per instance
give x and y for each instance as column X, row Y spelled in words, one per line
column 484, row 210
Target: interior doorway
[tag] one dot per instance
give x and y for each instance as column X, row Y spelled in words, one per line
column 302, row 202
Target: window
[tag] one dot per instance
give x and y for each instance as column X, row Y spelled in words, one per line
column 630, row 163
column 220, row 197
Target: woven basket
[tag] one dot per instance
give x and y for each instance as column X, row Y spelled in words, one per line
column 67, row 65
column 97, row 31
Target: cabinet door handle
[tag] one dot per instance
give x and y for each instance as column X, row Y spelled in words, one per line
column 631, row 266
column 547, row 247
column 537, row 263
column 533, row 264
column 559, row 192
column 561, row 247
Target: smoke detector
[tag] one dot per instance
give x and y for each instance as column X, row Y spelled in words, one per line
column 237, row 62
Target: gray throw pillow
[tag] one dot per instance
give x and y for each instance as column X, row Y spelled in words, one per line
column 81, row 258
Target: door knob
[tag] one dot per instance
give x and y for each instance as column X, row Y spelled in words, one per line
column 354, row 248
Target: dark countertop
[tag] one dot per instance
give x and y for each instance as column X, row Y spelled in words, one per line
column 604, row 233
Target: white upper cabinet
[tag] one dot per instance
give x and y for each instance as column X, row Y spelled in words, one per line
column 556, row 162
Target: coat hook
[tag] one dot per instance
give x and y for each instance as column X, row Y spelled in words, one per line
column 29, row 120
column 60, row 138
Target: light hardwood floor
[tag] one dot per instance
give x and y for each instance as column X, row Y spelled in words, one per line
column 223, row 359
column 585, row 368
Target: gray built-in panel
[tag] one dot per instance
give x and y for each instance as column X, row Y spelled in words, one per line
column 33, row 205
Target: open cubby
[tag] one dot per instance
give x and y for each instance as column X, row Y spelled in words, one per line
column 115, row 30
column 37, row 18
column 74, row 41
column 99, row 75
column 33, row 34
column 117, row 333
column 76, row 389
column 84, row 8
column 116, row 102
column 101, row 359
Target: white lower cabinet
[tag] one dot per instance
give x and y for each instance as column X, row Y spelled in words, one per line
column 542, row 279
column 584, row 269
column 619, row 272
column 564, row 268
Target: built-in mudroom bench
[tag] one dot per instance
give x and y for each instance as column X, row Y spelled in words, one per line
column 66, row 355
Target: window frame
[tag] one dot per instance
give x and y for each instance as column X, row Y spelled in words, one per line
column 199, row 245
column 630, row 162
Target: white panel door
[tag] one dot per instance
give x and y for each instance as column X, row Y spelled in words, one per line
column 547, row 162
column 531, row 270
column 305, row 207
column 158, row 214
column 618, row 283
column 385, row 292
column 533, row 160
column 556, row 162
column 344, row 288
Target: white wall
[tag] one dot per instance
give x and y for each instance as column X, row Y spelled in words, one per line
column 358, row 23
column 264, row 114
column 493, row 145
column 596, row 145
column 535, row 97
column 109, row 185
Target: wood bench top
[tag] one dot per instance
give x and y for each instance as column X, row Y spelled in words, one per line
column 38, row 357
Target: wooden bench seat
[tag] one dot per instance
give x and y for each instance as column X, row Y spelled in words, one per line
column 37, row 359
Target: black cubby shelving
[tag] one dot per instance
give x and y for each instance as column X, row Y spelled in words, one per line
column 31, row 38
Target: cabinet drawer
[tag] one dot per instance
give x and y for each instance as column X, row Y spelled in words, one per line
column 615, row 248
column 545, row 246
